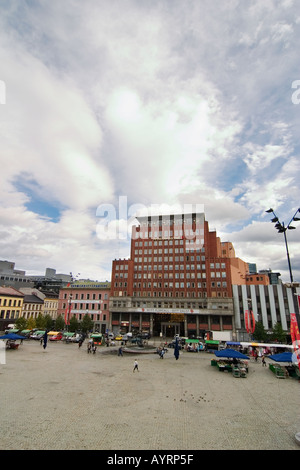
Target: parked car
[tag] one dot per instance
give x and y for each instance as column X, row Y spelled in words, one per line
column 26, row 333
column 38, row 334
column 79, row 337
column 16, row 331
column 56, row 337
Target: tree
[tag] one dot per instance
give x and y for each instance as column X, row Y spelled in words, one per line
column 59, row 323
column 87, row 323
column 31, row 323
column 278, row 334
column 74, row 324
column 48, row 322
column 21, row 323
column 260, row 333
column 40, row 322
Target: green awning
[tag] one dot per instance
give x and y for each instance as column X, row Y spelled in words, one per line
column 211, row 341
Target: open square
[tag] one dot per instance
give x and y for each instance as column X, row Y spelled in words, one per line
column 62, row 398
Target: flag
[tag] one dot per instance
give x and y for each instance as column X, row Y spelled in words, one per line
column 67, row 314
column 249, row 321
column 295, row 335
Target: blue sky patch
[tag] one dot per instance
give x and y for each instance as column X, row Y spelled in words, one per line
column 36, row 202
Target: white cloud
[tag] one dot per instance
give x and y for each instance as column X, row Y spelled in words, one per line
column 52, row 134
column 260, row 157
column 163, row 103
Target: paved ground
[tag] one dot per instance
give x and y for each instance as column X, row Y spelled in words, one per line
column 63, row 398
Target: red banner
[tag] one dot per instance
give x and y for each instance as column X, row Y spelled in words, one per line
column 249, row 321
column 295, row 335
column 67, row 314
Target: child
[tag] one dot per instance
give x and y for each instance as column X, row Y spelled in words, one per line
column 136, row 366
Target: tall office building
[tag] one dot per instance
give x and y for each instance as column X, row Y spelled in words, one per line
column 177, row 280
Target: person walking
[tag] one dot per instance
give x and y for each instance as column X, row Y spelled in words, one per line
column 263, row 361
column 120, row 352
column 136, row 366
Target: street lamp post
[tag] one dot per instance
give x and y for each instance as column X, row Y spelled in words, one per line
column 281, row 228
column 294, row 316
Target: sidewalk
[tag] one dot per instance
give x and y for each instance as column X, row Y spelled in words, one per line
column 63, row 398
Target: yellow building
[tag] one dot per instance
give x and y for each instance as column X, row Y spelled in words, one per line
column 51, row 306
column 11, row 305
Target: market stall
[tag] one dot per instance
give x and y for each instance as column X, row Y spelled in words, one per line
column 283, row 367
column 232, row 361
column 11, row 340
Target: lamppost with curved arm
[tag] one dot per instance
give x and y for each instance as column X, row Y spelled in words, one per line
column 295, row 316
column 281, row 228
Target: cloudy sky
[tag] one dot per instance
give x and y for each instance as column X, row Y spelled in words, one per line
column 107, row 107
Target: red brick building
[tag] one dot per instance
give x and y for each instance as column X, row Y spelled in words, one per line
column 86, row 297
column 177, row 280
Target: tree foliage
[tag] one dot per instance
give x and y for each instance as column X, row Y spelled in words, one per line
column 74, row 324
column 21, row 323
column 260, row 333
column 278, row 334
column 87, row 323
column 59, row 323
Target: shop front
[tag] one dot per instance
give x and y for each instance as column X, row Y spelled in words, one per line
column 165, row 322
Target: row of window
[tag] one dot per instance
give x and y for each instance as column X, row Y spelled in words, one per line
column 32, row 306
column 85, row 306
column 192, row 294
column 15, row 279
column 10, row 303
column 9, row 314
column 166, row 258
column 86, row 296
column 170, row 285
column 159, row 238
column 182, row 275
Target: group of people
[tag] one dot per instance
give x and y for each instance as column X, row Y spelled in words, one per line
column 161, row 352
column 91, row 347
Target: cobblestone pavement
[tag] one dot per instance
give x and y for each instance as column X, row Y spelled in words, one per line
column 62, row 398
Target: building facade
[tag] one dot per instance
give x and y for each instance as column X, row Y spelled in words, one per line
column 86, row 297
column 9, row 276
column 33, row 306
column 51, row 305
column 11, row 305
column 270, row 304
column 178, row 279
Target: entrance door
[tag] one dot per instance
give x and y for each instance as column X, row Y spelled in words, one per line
column 169, row 330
